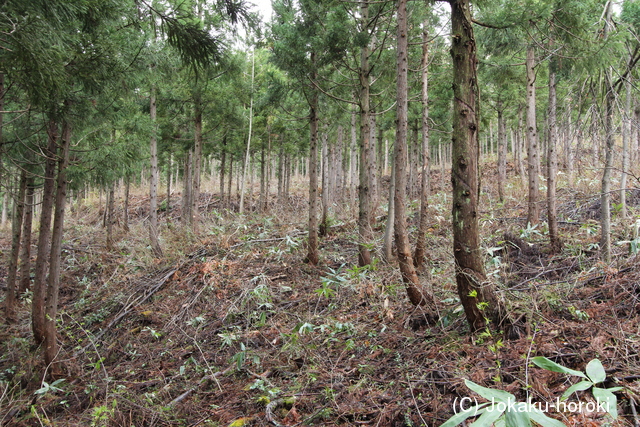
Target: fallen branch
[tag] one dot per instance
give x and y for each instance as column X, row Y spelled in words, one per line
column 141, row 299
column 196, row 387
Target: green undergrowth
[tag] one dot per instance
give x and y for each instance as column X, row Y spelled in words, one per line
column 232, row 328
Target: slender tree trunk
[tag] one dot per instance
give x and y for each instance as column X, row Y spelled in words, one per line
column 125, row 213
column 387, row 243
column 353, row 160
column 605, row 197
column 502, row 153
column 5, row 208
column 476, row 294
column 55, row 260
column 262, row 203
column 223, row 158
column 169, row 170
column 312, row 254
column 153, row 180
column 364, row 193
column 110, row 216
column 416, row 294
column 552, row 165
column 280, row 172
column 197, row 164
column 325, row 184
column 421, row 243
column 25, row 256
column 626, row 130
column 44, row 236
column 11, row 299
column 230, row 181
column 533, row 215
column 246, row 159
column 372, row 179
column 187, row 186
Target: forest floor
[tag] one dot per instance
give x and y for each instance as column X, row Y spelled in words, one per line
column 232, row 328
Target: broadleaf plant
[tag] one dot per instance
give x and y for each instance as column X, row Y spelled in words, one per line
column 594, row 374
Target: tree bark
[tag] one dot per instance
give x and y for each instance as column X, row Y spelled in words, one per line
column 169, row 170
column 55, row 258
column 25, row 256
column 324, row 219
column 387, row 243
column 364, row 190
column 533, row 215
column 187, row 187
column 605, row 197
column 476, row 293
column 312, row 253
column 153, row 181
column 416, row 294
column 197, row 163
column 353, row 161
column 245, row 169
column 11, row 299
column 421, row 244
column 502, row 152
column 125, row 209
column 110, row 216
column 223, row 158
column 552, row 166
column 626, row 131
column 44, row 236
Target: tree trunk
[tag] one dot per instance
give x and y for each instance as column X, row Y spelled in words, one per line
column 280, row 173
column 223, row 158
column 605, row 197
column 312, row 254
column 25, row 256
column 416, row 294
column 421, row 243
column 125, row 213
column 169, row 169
column 230, row 182
column 533, row 215
column 197, row 164
column 552, row 165
column 262, row 203
column 353, row 161
column 153, row 181
column 373, row 168
column 502, row 152
column 187, row 186
column 246, row 159
column 324, row 154
column 11, row 299
column 387, row 243
column 476, row 294
column 364, row 193
column 55, row 258
column 44, row 236
column 626, row 130
column 110, row 216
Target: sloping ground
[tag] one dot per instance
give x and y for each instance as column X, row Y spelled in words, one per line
column 238, row 330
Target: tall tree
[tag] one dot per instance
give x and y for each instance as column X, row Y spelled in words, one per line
column 417, row 295
column 475, row 292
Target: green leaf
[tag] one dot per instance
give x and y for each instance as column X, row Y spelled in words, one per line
column 487, row 418
column 463, row 415
column 595, row 371
column 581, row 386
column 610, row 401
column 490, row 393
column 549, row 365
column 544, row 420
column 517, row 417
